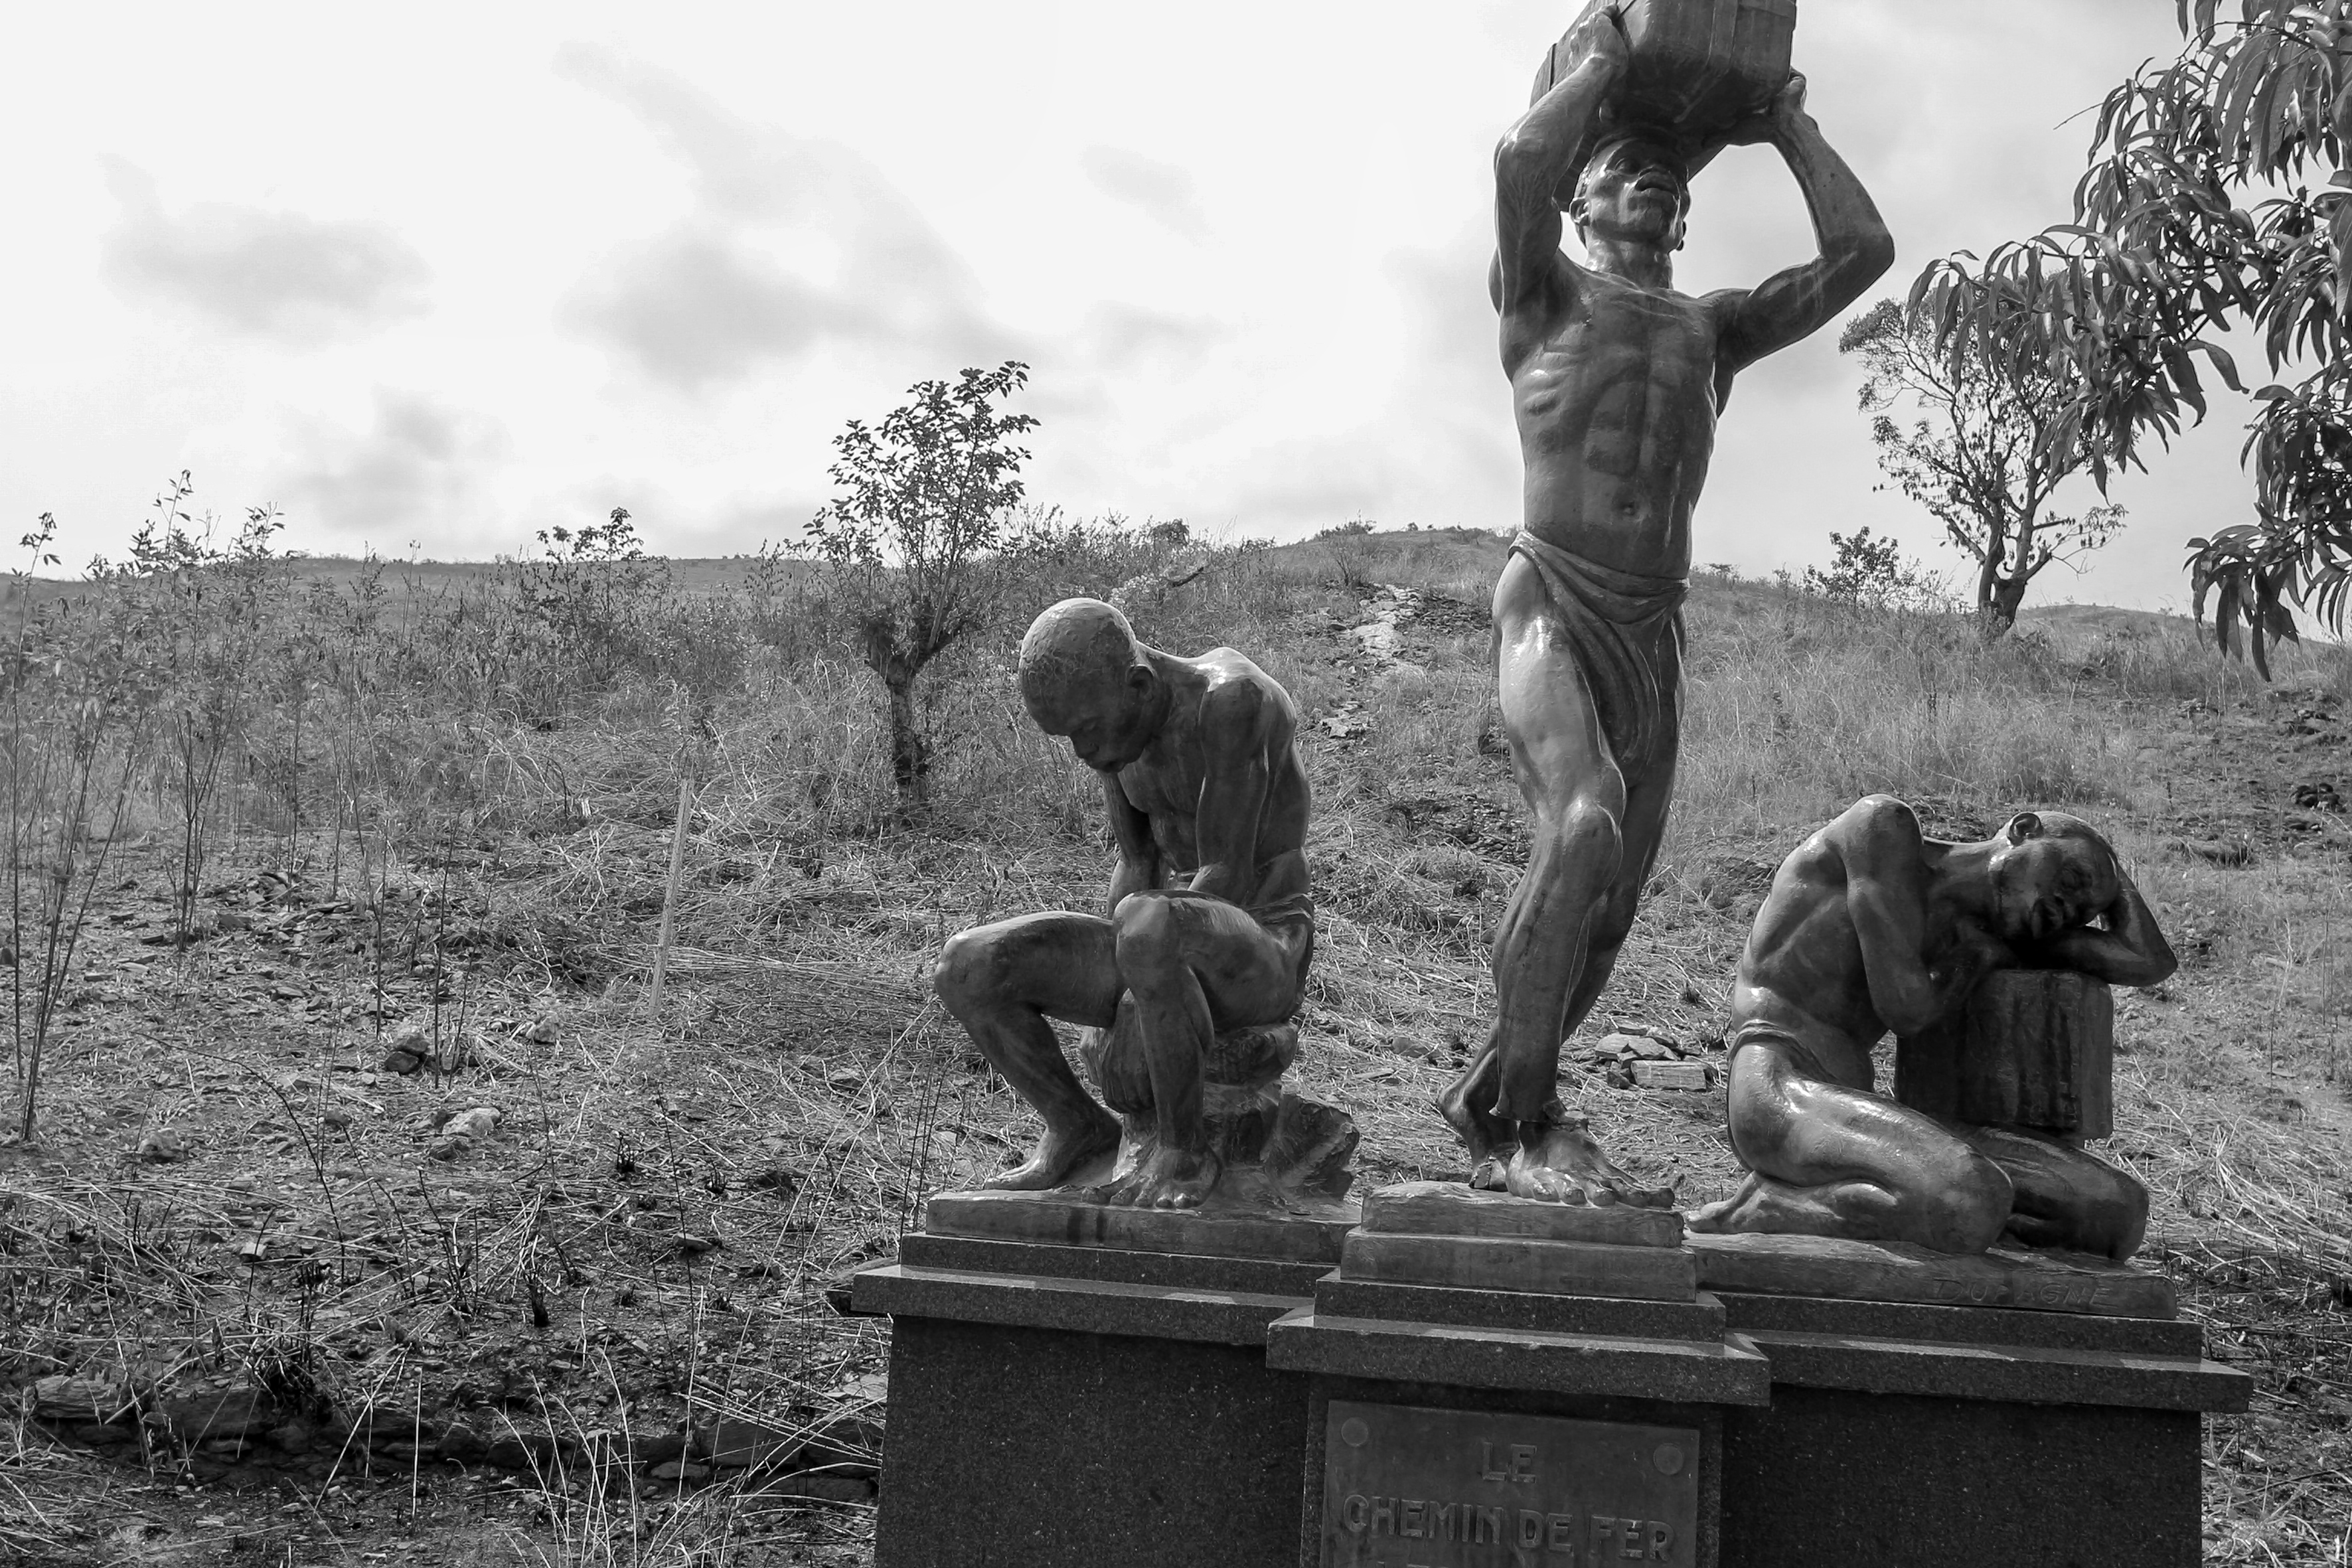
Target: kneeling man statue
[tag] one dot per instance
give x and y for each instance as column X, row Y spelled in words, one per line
column 1202, row 948
column 1872, row 926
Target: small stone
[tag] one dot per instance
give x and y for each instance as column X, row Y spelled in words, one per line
column 65, row 1398
column 1624, row 1046
column 544, row 1029
column 845, row 1079
column 822, row 1488
column 165, row 1145
column 748, row 1445
column 1673, row 1075
column 680, row 1470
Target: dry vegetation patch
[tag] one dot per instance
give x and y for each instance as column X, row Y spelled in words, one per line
column 594, row 1328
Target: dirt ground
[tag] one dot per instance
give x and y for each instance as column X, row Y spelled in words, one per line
column 236, row 1193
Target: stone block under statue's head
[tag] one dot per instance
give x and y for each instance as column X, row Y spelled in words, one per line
column 1990, row 962
column 1185, row 983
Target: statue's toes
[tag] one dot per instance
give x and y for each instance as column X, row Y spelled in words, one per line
column 1602, row 1196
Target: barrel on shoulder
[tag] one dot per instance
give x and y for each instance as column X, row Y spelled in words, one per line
column 1699, row 67
column 2030, row 1048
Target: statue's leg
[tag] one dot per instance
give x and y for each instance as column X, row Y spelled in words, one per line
column 2065, row 1197
column 1002, row 982
column 1825, row 1159
column 1193, row 965
column 1544, row 947
column 1648, row 796
column 1465, row 1105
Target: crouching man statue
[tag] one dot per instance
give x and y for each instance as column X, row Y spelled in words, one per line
column 1871, row 926
column 1205, row 945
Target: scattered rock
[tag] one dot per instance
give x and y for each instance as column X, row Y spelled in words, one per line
column 461, row 1132
column 818, row 1488
column 1346, row 722
column 165, row 1146
column 1624, row 1046
column 544, row 1028
column 88, row 1399
column 2320, row 796
column 407, row 1050
column 1673, row 1075
column 2217, row 851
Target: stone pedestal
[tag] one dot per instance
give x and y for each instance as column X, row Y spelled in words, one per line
column 1470, row 1381
column 1081, row 1388
column 1553, row 1374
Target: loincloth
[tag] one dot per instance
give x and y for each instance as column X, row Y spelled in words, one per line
column 1764, row 1031
column 1627, row 632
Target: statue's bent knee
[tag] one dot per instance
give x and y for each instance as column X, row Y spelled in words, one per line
column 1966, row 1201
column 1147, row 936
column 963, row 977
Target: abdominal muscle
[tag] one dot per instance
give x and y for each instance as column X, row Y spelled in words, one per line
column 1616, row 416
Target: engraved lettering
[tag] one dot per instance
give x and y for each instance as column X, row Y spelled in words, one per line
column 1523, row 1462
column 1560, row 1533
column 1662, row 1538
column 1441, row 1522
column 1603, row 1536
column 1531, row 1529
column 1383, row 1515
column 1630, row 1546
column 1357, row 1511
column 1487, row 1470
column 1490, row 1525
column 1410, row 1524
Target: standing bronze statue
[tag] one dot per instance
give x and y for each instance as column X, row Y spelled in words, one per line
column 1872, row 926
column 1617, row 380
column 1207, row 928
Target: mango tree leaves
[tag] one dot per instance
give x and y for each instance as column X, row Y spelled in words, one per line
column 2195, row 216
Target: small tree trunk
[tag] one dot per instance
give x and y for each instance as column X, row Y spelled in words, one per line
column 1999, row 609
column 910, row 766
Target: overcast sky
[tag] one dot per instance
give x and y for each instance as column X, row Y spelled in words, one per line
column 431, row 277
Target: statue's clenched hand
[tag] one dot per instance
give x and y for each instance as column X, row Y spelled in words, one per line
column 1773, row 123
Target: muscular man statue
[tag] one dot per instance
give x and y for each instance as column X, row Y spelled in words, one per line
column 1617, row 380
column 1209, row 924
column 1869, row 927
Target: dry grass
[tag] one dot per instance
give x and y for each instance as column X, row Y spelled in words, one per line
column 677, row 1187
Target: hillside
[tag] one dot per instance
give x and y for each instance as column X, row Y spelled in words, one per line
column 429, row 883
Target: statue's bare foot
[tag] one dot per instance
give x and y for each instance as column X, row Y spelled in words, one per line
column 1165, row 1179
column 1487, row 1136
column 1567, row 1167
column 1735, row 1215
column 1062, row 1152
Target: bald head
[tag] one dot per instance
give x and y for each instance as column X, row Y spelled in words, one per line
column 1078, row 644
column 1084, row 676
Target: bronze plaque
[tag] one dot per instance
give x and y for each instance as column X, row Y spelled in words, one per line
column 1409, row 1488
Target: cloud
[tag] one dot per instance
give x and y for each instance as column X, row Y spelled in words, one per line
column 706, row 300
column 1115, row 335
column 1165, row 191
column 283, row 276
column 698, row 305
column 418, row 469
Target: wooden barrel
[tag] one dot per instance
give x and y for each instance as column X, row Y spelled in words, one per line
column 2032, row 1048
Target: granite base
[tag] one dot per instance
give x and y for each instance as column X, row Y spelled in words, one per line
column 1080, row 1407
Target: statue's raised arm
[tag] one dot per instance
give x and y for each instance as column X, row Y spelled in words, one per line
column 1856, row 248
column 1540, row 151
